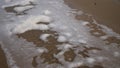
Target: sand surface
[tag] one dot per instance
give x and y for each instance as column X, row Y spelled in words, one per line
column 23, row 46
column 3, row 63
column 106, row 12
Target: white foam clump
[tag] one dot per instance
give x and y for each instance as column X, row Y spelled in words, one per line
column 22, row 3
column 21, row 9
column 65, row 47
column 82, row 41
column 116, row 54
column 90, row 60
column 85, row 23
column 43, row 27
column 67, row 34
column 75, row 64
column 44, row 37
column 31, row 23
column 61, row 39
column 44, row 18
column 52, row 25
column 47, row 12
column 41, row 50
column 56, row 26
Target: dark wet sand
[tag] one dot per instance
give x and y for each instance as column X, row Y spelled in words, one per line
column 3, row 63
column 33, row 36
column 10, row 9
column 106, row 12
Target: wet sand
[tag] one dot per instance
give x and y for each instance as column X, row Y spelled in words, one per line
column 33, row 36
column 69, row 56
column 3, row 63
column 99, row 9
column 106, row 12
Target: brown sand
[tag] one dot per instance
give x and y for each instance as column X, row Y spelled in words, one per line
column 3, row 63
column 33, row 36
column 106, row 12
column 10, row 9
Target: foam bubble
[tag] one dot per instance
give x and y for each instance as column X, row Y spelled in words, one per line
column 43, row 27
column 85, row 23
column 21, row 9
column 67, row 34
column 75, row 64
column 90, row 60
column 47, row 12
column 31, row 23
column 44, row 37
column 41, row 50
column 61, row 39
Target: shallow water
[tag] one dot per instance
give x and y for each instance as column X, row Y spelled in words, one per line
column 50, row 34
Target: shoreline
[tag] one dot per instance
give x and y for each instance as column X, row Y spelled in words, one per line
column 106, row 12
column 3, row 60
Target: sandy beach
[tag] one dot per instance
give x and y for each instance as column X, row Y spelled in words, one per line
column 60, row 34
column 106, row 12
column 3, row 61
